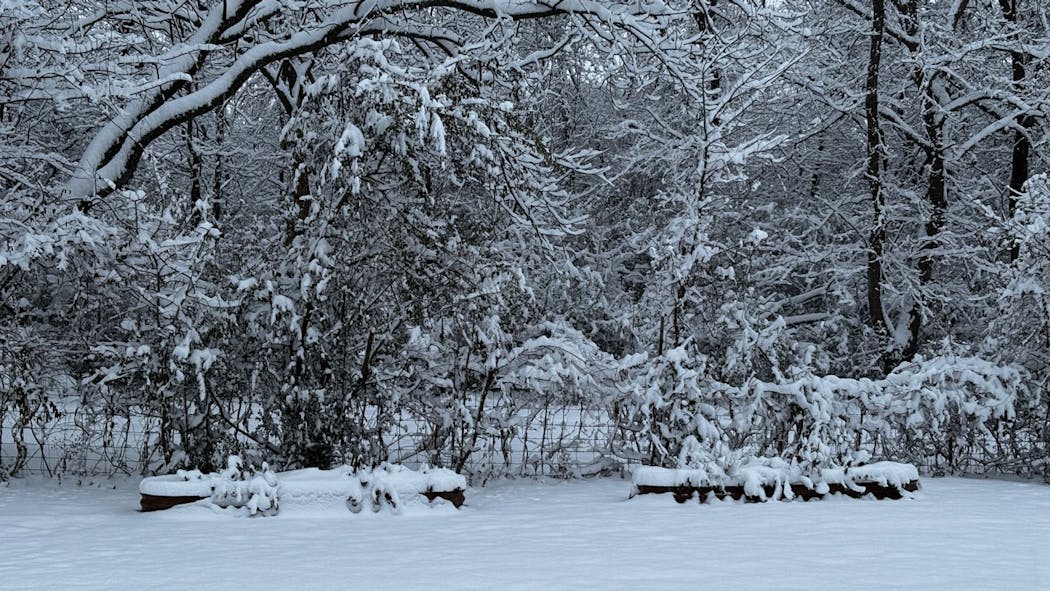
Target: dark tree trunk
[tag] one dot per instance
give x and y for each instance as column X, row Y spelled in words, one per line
column 301, row 198
column 219, row 177
column 195, row 163
column 877, row 238
column 937, row 197
column 704, row 17
column 1022, row 146
column 936, row 179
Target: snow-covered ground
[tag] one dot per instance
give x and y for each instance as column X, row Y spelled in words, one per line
column 957, row 534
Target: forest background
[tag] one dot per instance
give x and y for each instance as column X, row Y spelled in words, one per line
column 319, row 231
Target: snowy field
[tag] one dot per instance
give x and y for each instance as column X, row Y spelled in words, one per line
column 957, row 534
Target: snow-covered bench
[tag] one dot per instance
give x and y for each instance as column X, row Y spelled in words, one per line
column 387, row 486
column 764, row 479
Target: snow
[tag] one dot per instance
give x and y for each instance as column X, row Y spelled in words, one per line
column 883, row 473
column 244, row 488
column 773, row 471
column 584, row 534
column 183, row 484
column 655, row 476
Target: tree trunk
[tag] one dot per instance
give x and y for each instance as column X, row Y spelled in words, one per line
column 219, row 177
column 195, row 164
column 1022, row 145
column 936, row 179
column 877, row 237
column 301, row 198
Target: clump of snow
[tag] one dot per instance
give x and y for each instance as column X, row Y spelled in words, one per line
column 314, row 483
column 893, row 474
column 384, row 487
column 254, row 491
column 759, row 473
column 656, row 476
column 184, row 483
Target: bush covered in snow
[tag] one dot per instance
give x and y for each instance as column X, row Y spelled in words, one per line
column 671, row 403
column 927, row 411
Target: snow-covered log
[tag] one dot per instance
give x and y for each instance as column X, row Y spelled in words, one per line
column 765, row 479
column 388, row 486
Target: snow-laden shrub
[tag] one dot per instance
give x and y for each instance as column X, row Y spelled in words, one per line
column 667, row 405
column 1019, row 329
column 712, row 457
column 939, row 412
column 949, row 409
column 27, row 396
column 480, row 384
column 935, row 411
column 245, row 487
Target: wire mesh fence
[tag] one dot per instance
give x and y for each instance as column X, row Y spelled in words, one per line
column 552, row 440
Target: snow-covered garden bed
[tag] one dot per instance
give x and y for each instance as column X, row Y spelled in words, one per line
column 763, row 479
column 261, row 491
